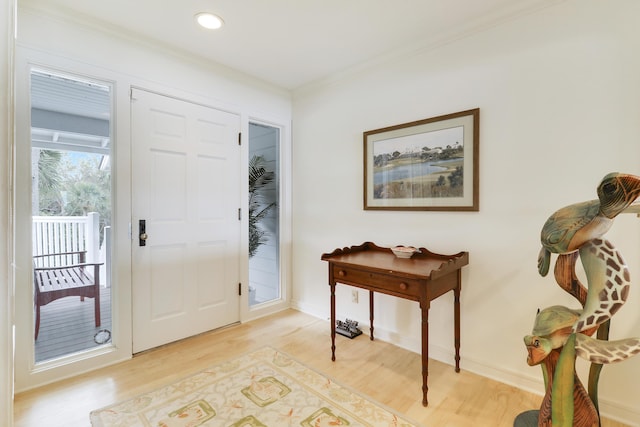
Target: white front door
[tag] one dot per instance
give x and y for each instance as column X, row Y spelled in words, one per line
column 186, row 189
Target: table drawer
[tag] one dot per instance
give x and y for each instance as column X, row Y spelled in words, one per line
column 378, row 282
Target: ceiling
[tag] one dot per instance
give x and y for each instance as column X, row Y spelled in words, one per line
column 292, row 43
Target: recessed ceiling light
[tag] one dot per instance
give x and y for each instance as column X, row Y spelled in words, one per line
column 209, row 20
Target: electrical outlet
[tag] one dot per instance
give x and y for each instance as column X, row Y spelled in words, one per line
column 354, row 296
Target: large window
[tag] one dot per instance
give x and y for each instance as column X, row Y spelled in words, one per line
column 71, row 210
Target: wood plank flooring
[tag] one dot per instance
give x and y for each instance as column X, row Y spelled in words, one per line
column 67, row 325
column 378, row 369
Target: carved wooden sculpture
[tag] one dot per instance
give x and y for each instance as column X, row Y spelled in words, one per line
column 560, row 334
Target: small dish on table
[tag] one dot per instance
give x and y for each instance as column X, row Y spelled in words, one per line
column 404, row 251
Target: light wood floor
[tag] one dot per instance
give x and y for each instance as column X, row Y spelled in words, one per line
column 380, row 370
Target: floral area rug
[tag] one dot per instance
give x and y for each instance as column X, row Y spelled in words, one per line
column 265, row 388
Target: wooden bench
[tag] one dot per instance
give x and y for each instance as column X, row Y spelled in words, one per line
column 65, row 275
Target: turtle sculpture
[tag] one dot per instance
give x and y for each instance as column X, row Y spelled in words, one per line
column 551, row 332
column 572, row 226
column 578, row 227
column 560, row 334
column 552, row 328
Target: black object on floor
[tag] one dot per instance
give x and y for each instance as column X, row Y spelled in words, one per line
column 348, row 328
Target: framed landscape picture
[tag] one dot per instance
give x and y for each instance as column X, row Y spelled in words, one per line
column 430, row 164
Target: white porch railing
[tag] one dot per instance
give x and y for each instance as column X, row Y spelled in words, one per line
column 60, row 234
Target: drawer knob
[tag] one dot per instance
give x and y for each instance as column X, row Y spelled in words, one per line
column 342, row 273
column 403, row 286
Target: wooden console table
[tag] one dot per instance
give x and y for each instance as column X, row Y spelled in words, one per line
column 423, row 277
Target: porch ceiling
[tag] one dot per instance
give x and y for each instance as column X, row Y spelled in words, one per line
column 69, row 114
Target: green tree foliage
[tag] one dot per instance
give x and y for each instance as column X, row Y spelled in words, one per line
column 50, row 181
column 73, row 186
column 259, row 177
column 88, row 188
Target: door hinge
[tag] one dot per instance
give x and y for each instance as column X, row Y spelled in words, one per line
column 239, row 138
column 239, row 214
column 240, row 289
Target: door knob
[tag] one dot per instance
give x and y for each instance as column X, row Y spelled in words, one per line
column 142, row 232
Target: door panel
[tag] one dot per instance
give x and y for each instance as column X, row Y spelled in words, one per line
column 186, row 179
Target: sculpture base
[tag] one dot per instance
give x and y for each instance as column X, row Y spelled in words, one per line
column 527, row 419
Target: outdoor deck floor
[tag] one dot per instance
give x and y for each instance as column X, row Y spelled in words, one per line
column 68, row 326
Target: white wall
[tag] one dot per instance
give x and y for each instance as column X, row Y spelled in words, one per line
column 559, row 103
column 7, row 9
